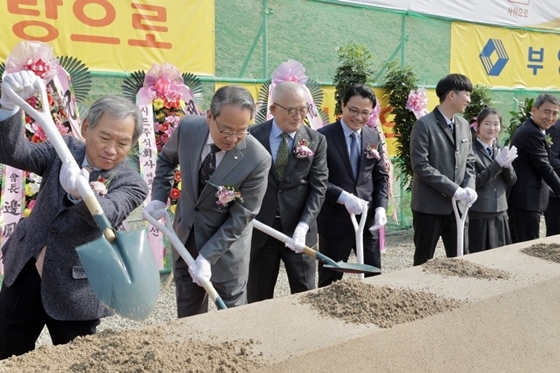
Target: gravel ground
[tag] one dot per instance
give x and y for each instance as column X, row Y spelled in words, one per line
column 398, row 255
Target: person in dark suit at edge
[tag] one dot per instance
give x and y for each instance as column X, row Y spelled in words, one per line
column 357, row 177
column 535, row 175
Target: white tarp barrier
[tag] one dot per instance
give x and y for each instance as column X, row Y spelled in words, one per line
column 514, row 13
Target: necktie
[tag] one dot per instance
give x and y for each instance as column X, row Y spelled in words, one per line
column 490, row 152
column 282, row 157
column 355, row 153
column 207, row 167
column 451, row 126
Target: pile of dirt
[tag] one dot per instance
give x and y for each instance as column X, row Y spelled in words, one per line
column 550, row 252
column 356, row 302
column 139, row 351
column 463, row 268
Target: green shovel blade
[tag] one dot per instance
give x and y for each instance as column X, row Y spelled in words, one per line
column 122, row 273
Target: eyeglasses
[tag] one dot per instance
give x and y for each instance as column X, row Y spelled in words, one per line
column 294, row 112
column 355, row 112
column 228, row 133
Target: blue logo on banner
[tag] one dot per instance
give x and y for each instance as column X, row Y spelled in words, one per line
column 494, row 57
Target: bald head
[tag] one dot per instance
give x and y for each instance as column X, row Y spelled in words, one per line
column 287, row 88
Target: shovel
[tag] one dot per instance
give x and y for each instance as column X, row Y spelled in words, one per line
column 460, row 220
column 327, row 262
column 359, row 229
column 120, row 266
column 168, row 231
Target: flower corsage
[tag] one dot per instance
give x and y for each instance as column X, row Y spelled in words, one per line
column 101, row 185
column 302, row 149
column 548, row 140
column 371, row 152
column 227, row 194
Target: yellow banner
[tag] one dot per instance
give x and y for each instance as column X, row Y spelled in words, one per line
column 505, row 58
column 116, row 35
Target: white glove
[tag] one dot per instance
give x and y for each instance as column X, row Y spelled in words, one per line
column 68, row 177
column 354, row 205
column 380, row 216
column 297, row 243
column 203, row 271
column 156, row 209
column 21, row 83
column 512, row 154
column 461, row 194
column 501, row 157
column 379, row 220
column 472, row 196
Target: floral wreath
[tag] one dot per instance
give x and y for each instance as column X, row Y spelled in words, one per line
column 39, row 58
column 293, row 71
column 163, row 85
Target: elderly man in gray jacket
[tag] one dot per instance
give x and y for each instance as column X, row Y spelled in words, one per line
column 45, row 283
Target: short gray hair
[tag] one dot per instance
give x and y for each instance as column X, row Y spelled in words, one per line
column 117, row 107
column 232, row 95
column 285, row 88
column 544, row 98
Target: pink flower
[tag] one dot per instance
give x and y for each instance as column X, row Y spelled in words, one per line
column 164, row 81
column 291, row 70
column 227, row 194
column 35, row 56
column 371, row 152
column 302, row 149
column 31, row 204
column 373, row 121
column 417, row 102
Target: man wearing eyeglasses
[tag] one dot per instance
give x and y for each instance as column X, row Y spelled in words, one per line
column 214, row 152
column 357, row 178
column 297, row 183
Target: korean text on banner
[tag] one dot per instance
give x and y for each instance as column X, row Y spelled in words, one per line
column 543, row 14
column 116, row 35
column 505, row 58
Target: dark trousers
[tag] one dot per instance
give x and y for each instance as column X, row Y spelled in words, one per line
column 526, row 225
column 265, row 265
column 193, row 299
column 339, row 250
column 552, row 216
column 22, row 316
column 428, row 228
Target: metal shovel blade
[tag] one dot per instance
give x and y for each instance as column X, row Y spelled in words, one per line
column 352, row 268
column 327, row 262
column 122, row 273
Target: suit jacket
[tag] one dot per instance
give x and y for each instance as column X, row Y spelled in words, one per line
column 441, row 162
column 492, row 181
column 533, row 169
column 370, row 185
column 554, row 133
column 222, row 234
column 299, row 197
column 60, row 224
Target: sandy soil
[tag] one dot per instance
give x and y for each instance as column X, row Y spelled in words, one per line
column 495, row 311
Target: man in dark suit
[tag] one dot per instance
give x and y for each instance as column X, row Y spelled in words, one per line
column 535, row 175
column 44, row 283
column 357, row 177
column 443, row 167
column 296, row 190
column 552, row 213
column 215, row 229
